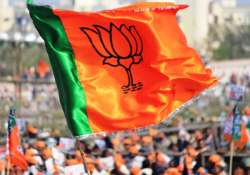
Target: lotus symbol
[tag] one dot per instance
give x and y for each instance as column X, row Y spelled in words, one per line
column 118, row 46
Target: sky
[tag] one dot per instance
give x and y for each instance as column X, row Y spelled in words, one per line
column 68, row 3
column 243, row 2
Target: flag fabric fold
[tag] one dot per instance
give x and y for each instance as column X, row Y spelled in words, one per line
column 14, row 154
column 120, row 69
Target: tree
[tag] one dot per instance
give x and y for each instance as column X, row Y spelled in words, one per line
column 229, row 42
column 15, row 57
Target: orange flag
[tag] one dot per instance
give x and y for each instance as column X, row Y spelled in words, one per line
column 243, row 140
column 235, row 129
column 14, row 154
column 42, row 68
column 120, row 69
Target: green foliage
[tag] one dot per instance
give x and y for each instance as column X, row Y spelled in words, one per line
column 233, row 42
column 16, row 57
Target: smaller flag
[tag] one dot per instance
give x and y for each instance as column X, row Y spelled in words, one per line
column 14, row 153
column 236, row 92
column 42, row 68
column 235, row 129
column 239, row 133
column 246, row 119
column 228, row 127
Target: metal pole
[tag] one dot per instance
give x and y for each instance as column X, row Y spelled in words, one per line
column 8, row 167
column 83, row 155
column 17, row 75
column 203, row 160
column 231, row 157
column 19, row 62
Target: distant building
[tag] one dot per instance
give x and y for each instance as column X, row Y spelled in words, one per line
column 224, row 69
column 6, row 16
column 95, row 5
column 80, row 5
column 234, row 12
column 21, row 4
column 3, row 3
column 194, row 20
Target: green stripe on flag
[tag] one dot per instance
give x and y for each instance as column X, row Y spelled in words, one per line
column 29, row 1
column 71, row 93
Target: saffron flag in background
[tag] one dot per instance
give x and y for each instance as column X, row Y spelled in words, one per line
column 120, row 69
column 14, row 154
column 239, row 130
column 235, row 129
column 42, row 68
column 228, row 127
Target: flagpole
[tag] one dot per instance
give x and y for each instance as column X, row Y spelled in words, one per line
column 83, row 155
column 7, row 148
column 231, row 157
column 232, row 143
column 8, row 167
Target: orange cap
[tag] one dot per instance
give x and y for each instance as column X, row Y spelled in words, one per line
column 127, row 142
column 202, row 171
column 133, row 150
column 89, row 160
column 116, row 141
column 2, row 165
column 31, row 160
column 215, row 158
column 135, row 171
column 189, row 162
column 172, row 171
column 40, row 144
column 119, row 160
column 30, row 152
column 47, row 153
column 247, row 111
column 147, row 139
column 192, row 152
column 153, row 132
column 70, row 162
column 32, row 129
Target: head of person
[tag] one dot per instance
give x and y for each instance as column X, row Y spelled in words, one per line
column 239, row 170
column 202, row 171
column 46, row 153
column 216, row 164
column 172, row 171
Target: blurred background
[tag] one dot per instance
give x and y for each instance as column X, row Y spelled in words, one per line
column 218, row 29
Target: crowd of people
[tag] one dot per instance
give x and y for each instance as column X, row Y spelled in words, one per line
column 36, row 84
column 154, row 152
column 34, row 97
column 151, row 152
